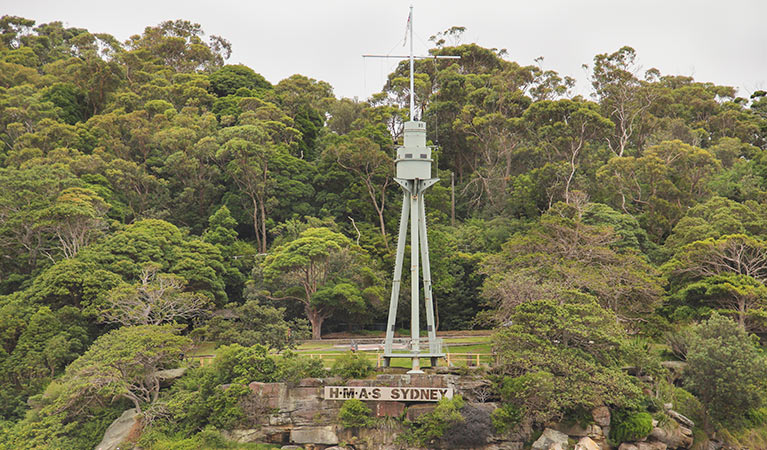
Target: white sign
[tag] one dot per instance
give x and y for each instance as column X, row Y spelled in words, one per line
column 394, row 394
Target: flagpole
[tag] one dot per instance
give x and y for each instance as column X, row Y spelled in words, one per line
column 412, row 94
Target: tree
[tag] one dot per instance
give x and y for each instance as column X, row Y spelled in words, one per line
column 252, row 323
column 741, row 295
column 565, row 254
column 178, row 45
column 563, row 355
column 564, row 128
column 124, row 363
column 156, row 299
column 76, row 218
column 249, row 153
column 230, row 78
column 46, row 346
column 325, row 272
column 372, row 166
column 717, row 217
column 732, row 254
column 659, row 186
column 158, row 242
column 622, row 96
column 25, row 198
column 726, row 371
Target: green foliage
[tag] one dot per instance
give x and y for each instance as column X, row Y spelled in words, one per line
column 217, row 395
column 629, row 426
column 506, row 418
column 559, row 356
column 230, row 78
column 325, row 272
column 725, row 370
column 253, row 323
column 208, row 438
column 123, row 363
column 355, row 414
column 352, row 366
column 292, row 367
column 118, row 156
column 432, row 426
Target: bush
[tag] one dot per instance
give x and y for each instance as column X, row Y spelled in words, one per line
column 352, row 365
column 291, row 368
column 505, row 418
column 355, row 414
column 432, row 426
column 629, row 427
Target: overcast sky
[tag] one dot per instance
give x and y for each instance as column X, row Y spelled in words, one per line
column 724, row 42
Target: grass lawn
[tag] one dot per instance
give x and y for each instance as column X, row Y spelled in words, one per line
column 462, row 350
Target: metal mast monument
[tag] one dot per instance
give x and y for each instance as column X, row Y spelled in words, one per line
column 413, row 173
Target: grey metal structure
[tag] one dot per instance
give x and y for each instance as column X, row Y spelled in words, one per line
column 413, row 173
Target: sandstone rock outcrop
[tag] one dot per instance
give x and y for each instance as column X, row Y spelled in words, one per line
column 119, row 431
column 551, row 439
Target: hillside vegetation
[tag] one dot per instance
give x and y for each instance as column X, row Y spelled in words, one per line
column 153, row 197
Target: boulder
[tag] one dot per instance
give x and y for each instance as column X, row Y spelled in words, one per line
column 677, row 437
column 712, row 445
column 550, row 440
column 654, row 445
column 628, row 446
column 292, row 447
column 244, row 435
column 123, row 427
column 170, row 374
column 262, row 434
column 680, row 418
column 601, row 416
column 325, row 435
column 586, row 443
column 594, row 431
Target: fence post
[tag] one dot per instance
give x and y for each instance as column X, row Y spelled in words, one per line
column 477, row 359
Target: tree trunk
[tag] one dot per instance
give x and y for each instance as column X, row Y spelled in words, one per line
column 316, row 319
column 255, row 223
column 263, row 227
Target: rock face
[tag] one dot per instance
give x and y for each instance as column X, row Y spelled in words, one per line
column 601, row 416
column 170, row 374
column 673, row 436
column 651, row 446
column 125, row 425
column 551, row 440
column 586, row 443
column 314, row 435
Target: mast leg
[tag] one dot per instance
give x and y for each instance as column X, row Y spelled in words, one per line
column 403, row 222
column 414, row 288
column 427, row 294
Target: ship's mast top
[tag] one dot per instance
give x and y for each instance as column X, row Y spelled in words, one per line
column 412, row 83
column 411, row 57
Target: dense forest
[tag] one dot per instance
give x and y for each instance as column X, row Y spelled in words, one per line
column 152, row 197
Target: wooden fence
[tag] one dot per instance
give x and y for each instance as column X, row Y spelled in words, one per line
column 451, row 359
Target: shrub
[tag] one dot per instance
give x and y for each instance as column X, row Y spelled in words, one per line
column 432, row 426
column 352, row 365
column 628, row 427
column 291, row 368
column 505, row 418
column 355, row 414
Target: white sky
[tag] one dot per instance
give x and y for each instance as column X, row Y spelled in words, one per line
column 712, row 40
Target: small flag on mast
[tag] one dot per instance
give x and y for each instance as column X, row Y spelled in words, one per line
column 407, row 28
